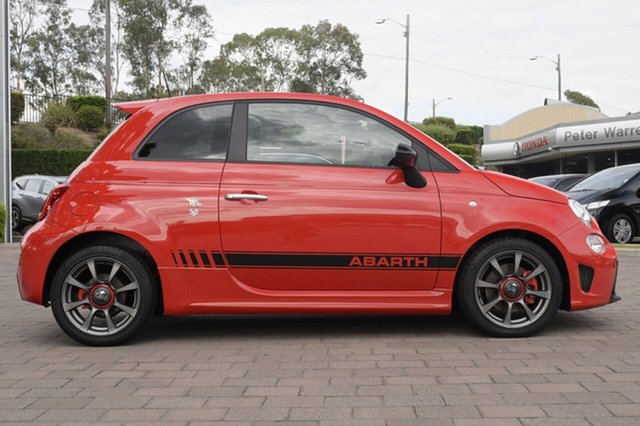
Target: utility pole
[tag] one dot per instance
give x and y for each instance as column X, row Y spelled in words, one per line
column 5, row 120
column 107, row 58
column 406, row 72
column 559, row 79
column 407, row 33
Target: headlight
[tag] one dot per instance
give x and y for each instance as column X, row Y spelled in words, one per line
column 580, row 211
column 596, row 243
column 597, row 205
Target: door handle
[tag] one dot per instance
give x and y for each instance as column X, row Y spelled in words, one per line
column 240, row 197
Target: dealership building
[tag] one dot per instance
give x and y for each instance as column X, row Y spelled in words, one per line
column 561, row 137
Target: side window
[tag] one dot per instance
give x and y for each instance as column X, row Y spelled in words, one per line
column 20, row 183
column 318, row 134
column 47, row 187
column 200, row 133
column 33, row 185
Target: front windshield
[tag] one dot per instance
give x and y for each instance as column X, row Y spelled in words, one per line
column 611, row 178
column 544, row 180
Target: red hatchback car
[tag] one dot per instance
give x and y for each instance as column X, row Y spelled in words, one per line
column 262, row 203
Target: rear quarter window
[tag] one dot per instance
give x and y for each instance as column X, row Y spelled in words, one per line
column 200, row 133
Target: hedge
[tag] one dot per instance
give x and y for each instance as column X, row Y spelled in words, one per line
column 3, row 217
column 17, row 106
column 77, row 102
column 46, row 162
column 90, row 118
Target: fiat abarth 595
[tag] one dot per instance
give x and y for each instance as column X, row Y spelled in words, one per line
column 263, row 203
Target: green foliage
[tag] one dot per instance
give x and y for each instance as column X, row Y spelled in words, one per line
column 576, row 97
column 102, row 133
column 3, row 217
column 58, row 114
column 443, row 134
column 46, row 162
column 30, row 136
column 440, row 121
column 466, row 152
column 315, row 59
column 77, row 102
column 465, row 136
column 90, row 117
column 478, row 131
column 68, row 139
column 17, row 106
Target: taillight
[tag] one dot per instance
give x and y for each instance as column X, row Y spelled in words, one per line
column 53, row 197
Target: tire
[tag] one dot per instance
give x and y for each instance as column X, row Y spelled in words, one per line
column 16, row 219
column 517, row 300
column 103, row 295
column 620, row 229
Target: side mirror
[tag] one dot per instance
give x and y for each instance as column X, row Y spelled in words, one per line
column 405, row 159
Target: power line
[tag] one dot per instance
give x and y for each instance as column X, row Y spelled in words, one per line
column 487, row 77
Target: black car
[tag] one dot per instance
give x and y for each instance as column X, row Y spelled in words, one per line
column 612, row 196
column 559, row 182
column 28, row 196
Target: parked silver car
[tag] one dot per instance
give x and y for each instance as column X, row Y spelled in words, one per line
column 28, row 195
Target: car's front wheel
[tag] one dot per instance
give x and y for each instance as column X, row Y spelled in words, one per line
column 16, row 219
column 620, row 229
column 510, row 287
column 103, row 295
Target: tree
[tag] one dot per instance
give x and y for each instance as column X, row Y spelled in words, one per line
column 87, row 72
column 97, row 18
column 51, row 52
column 576, row 97
column 195, row 31
column 148, row 44
column 330, row 58
column 23, row 13
column 321, row 59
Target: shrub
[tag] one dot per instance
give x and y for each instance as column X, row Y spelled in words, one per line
column 442, row 134
column 17, row 106
column 69, row 139
column 46, row 162
column 440, row 121
column 30, row 136
column 77, row 102
column 3, row 217
column 90, row 117
column 465, row 136
column 467, row 152
column 58, row 114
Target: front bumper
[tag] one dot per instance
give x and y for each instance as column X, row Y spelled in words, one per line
column 605, row 268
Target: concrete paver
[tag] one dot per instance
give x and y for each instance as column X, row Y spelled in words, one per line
column 317, row 370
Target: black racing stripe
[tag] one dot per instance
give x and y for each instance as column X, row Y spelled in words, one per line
column 183, row 258
column 194, row 259
column 205, row 259
column 357, row 261
column 173, row 256
column 218, row 260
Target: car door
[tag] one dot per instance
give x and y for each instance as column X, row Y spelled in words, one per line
column 310, row 203
column 33, row 199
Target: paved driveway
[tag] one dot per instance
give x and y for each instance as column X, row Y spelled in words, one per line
column 369, row 370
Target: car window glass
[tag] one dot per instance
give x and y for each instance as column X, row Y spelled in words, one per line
column 47, row 187
column 318, row 134
column 200, row 133
column 33, row 185
column 20, row 183
column 611, row 178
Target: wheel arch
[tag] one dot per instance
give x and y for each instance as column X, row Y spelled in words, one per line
column 526, row 235
column 102, row 238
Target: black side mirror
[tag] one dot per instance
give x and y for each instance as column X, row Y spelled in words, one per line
column 405, row 159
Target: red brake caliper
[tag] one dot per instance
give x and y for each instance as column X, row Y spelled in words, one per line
column 82, row 294
column 532, row 284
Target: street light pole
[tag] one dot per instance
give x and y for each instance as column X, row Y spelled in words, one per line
column 434, row 104
column 407, row 33
column 107, row 58
column 557, row 64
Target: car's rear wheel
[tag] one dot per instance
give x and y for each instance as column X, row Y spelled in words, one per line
column 16, row 218
column 103, row 295
column 620, row 229
column 510, row 287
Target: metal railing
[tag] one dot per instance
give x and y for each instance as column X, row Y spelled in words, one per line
column 35, row 105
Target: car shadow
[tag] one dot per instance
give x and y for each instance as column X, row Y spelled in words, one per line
column 302, row 326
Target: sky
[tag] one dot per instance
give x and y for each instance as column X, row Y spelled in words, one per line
column 476, row 52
